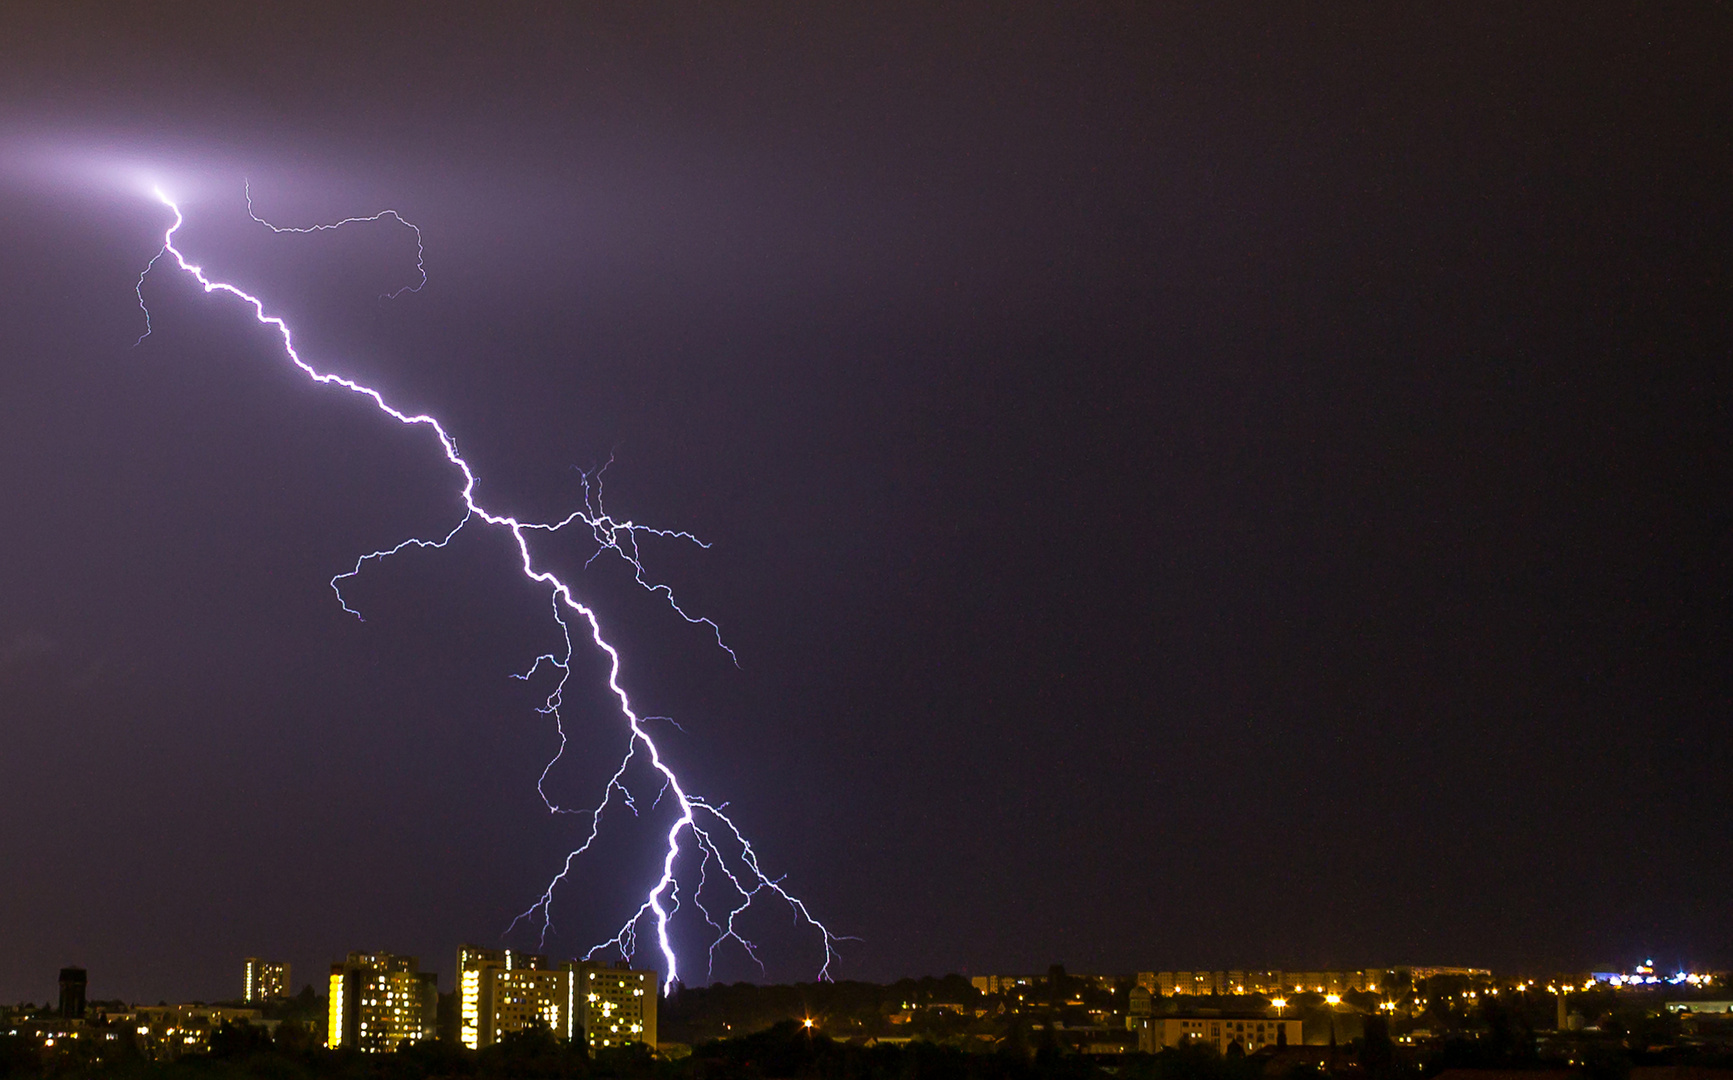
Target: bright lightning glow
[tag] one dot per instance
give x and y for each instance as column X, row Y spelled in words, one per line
column 699, row 822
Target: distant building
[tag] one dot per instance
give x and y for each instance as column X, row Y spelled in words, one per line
column 1269, row 983
column 616, row 1004
column 502, row 991
column 1186, row 982
column 72, row 984
column 1004, row 984
column 264, row 981
column 1333, row 982
column 1419, row 974
column 1140, row 1005
column 379, row 1002
column 1221, row 1032
column 166, row 1032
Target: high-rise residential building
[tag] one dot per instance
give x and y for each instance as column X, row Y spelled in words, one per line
column 380, row 1002
column 616, row 1005
column 72, row 983
column 265, row 980
column 501, row 991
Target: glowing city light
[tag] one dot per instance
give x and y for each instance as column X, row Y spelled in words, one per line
column 700, row 827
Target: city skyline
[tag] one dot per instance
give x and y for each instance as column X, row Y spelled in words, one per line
column 380, row 1003
column 263, row 981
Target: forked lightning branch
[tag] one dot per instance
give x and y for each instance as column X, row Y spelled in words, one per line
column 702, row 843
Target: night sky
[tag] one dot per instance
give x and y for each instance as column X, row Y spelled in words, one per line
column 1189, row 485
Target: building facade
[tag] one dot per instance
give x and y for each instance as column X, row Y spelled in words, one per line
column 501, row 991
column 1250, row 1033
column 1006, row 984
column 264, row 981
column 379, row 1002
column 1420, row 974
column 616, row 1004
column 1269, row 983
column 166, row 1032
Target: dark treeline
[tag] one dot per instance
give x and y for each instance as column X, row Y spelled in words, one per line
column 783, row 1052
column 788, row 1051
column 695, row 1015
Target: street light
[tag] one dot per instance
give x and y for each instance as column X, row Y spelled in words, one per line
column 1280, row 1004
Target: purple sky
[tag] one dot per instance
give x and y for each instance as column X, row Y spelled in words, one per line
column 1187, row 488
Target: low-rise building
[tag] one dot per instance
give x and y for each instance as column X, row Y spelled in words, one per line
column 1250, row 1033
column 166, row 1032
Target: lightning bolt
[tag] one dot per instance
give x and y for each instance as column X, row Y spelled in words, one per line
column 701, row 827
